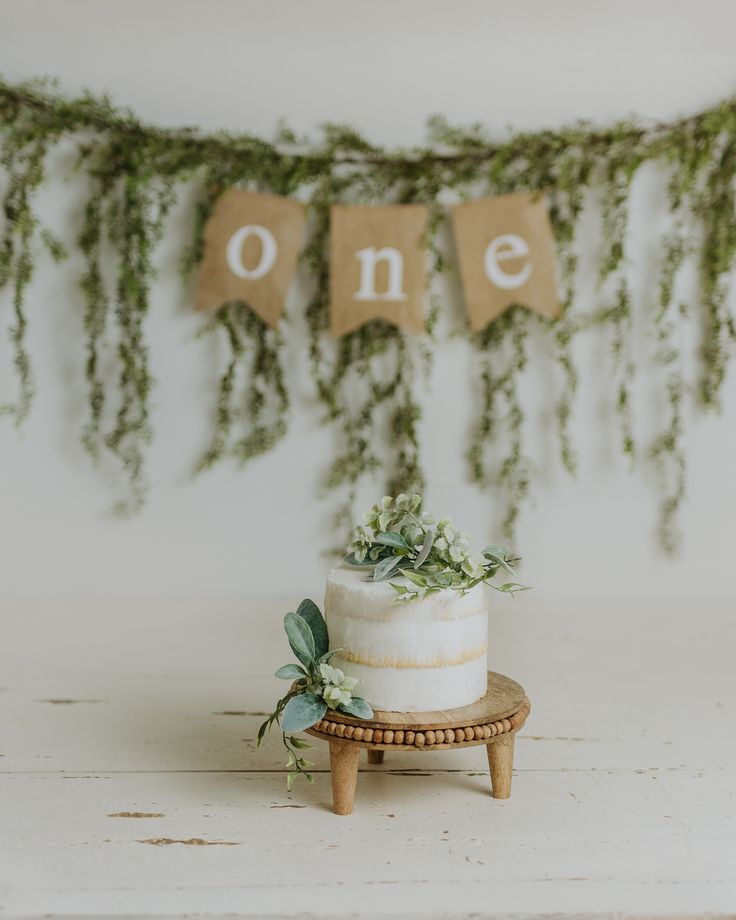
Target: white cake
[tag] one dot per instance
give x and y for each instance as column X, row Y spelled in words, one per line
column 413, row 656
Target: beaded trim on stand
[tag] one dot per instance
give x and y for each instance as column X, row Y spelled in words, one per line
column 428, row 738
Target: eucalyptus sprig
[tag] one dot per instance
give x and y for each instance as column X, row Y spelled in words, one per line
column 397, row 538
column 316, row 687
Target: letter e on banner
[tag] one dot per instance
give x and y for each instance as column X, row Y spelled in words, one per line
column 251, row 246
column 506, row 253
column 506, row 246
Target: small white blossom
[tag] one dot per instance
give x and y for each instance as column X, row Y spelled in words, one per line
column 474, row 566
column 338, row 688
column 335, row 697
column 331, row 675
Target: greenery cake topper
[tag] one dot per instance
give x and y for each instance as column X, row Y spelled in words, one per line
column 397, row 538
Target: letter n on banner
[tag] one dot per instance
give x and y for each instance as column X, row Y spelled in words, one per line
column 377, row 266
column 506, row 252
column 251, row 245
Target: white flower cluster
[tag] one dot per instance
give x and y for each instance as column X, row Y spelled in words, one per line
column 337, row 689
column 452, row 547
column 390, row 514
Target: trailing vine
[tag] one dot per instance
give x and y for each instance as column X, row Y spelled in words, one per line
column 572, row 178
column 265, row 405
column 503, row 358
column 716, row 208
column 667, row 450
column 22, row 156
column 128, row 213
column 367, row 382
column 619, row 174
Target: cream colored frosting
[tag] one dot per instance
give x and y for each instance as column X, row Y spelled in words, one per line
column 412, row 656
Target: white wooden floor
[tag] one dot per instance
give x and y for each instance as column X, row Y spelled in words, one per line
column 130, row 784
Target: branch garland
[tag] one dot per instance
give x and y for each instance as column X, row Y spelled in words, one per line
column 367, row 382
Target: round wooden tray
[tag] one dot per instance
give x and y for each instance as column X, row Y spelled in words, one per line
column 492, row 720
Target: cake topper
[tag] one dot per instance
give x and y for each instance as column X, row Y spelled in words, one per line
column 398, row 539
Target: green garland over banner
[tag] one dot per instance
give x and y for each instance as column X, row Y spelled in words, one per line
column 137, row 170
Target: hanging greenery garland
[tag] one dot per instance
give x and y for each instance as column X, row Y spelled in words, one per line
column 367, row 381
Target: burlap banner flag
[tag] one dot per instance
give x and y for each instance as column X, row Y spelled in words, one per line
column 377, row 266
column 506, row 252
column 252, row 242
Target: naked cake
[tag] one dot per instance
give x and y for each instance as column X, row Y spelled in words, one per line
column 407, row 611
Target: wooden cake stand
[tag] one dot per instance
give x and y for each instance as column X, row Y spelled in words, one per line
column 493, row 721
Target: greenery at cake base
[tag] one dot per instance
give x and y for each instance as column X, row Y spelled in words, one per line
column 397, row 539
column 317, row 686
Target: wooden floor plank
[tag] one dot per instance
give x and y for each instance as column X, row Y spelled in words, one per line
column 130, row 783
column 241, row 839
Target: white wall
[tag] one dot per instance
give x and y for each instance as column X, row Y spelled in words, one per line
column 384, row 66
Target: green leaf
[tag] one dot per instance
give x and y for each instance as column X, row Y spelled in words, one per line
column 385, row 567
column 399, row 589
column 327, row 657
column 301, row 639
column 510, row 587
column 384, row 519
column 357, row 707
column 351, row 559
column 419, row 580
column 302, row 712
column 498, row 555
column 393, row 539
column 290, row 672
column 299, row 744
column 310, row 612
column 426, row 547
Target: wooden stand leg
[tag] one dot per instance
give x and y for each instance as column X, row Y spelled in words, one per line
column 344, row 772
column 501, row 762
column 375, row 756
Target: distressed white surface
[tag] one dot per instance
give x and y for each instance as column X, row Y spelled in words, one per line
column 623, row 799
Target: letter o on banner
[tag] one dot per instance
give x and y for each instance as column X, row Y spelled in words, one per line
column 263, row 279
column 506, row 246
column 234, row 252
